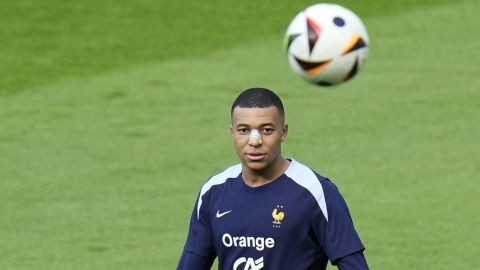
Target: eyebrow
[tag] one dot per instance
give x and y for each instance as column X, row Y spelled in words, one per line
column 247, row 125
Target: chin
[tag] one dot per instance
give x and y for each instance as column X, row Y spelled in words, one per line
column 255, row 165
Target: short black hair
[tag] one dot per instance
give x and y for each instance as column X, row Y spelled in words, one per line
column 258, row 98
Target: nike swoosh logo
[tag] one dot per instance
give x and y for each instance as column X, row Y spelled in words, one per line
column 219, row 215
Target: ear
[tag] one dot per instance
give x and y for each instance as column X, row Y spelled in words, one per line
column 231, row 130
column 285, row 132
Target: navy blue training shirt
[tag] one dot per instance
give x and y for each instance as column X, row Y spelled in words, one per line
column 297, row 222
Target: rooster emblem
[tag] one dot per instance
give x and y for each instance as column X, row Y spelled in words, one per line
column 277, row 216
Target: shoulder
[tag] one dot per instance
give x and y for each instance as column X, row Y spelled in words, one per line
column 218, row 179
column 319, row 187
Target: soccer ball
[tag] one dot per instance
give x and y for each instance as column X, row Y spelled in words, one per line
column 326, row 44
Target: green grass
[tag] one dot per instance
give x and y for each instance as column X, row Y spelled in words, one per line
column 107, row 116
column 46, row 41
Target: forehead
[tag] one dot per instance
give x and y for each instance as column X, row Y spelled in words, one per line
column 256, row 116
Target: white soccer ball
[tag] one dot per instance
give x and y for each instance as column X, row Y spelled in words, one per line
column 326, row 44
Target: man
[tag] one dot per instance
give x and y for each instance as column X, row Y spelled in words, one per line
column 269, row 212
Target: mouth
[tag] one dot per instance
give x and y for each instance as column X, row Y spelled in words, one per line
column 255, row 156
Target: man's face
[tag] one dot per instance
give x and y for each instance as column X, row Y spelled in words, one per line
column 256, row 153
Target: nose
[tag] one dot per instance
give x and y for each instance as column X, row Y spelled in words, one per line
column 255, row 142
column 255, row 138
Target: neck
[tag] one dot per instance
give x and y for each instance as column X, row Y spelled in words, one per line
column 255, row 178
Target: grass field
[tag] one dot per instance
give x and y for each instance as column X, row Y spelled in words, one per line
column 107, row 112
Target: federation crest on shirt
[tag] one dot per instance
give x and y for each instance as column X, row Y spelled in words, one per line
column 278, row 216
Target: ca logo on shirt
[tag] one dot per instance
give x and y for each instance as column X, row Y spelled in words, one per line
column 248, row 264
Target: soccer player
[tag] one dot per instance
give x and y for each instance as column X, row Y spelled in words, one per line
column 269, row 212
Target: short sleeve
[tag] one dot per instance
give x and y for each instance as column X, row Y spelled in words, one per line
column 337, row 235
column 199, row 240
column 355, row 261
column 191, row 261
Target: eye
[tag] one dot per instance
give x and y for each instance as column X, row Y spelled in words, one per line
column 267, row 131
column 242, row 131
column 338, row 21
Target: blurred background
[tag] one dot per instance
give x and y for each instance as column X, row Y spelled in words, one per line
column 113, row 114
